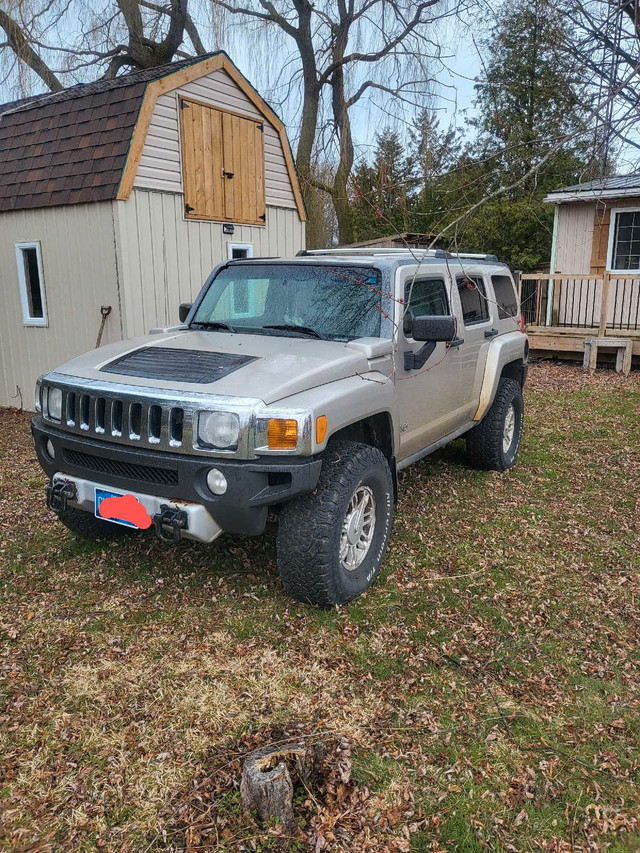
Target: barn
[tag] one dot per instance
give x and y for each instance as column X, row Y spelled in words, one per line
column 118, row 197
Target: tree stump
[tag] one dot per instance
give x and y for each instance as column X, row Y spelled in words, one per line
column 266, row 785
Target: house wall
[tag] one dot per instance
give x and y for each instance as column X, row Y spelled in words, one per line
column 160, row 166
column 80, row 275
column 165, row 259
column 575, row 238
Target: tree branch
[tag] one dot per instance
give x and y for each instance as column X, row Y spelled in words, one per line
column 21, row 47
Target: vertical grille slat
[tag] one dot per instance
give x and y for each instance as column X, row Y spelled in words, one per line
column 116, row 417
column 83, row 415
column 176, row 426
column 100, row 411
column 135, row 420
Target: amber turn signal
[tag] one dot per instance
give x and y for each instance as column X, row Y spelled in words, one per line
column 321, row 429
column 282, row 434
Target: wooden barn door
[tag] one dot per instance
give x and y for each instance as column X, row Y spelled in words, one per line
column 222, row 165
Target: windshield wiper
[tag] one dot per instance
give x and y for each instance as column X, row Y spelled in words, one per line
column 293, row 327
column 212, row 325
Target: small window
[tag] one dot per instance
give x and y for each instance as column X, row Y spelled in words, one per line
column 473, row 299
column 625, row 250
column 505, row 297
column 31, row 279
column 427, row 297
column 237, row 251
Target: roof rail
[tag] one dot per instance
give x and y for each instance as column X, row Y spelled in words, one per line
column 472, row 257
column 424, row 253
column 431, row 253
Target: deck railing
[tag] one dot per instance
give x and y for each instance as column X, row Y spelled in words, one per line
column 604, row 302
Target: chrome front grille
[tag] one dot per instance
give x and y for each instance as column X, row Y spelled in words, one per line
column 145, row 417
column 133, row 421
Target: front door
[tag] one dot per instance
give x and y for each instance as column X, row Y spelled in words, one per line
column 429, row 397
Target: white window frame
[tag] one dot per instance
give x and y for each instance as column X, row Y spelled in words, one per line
column 27, row 319
column 249, row 250
column 614, row 211
column 232, row 246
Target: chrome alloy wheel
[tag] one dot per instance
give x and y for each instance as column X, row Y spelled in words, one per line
column 357, row 528
column 509, row 428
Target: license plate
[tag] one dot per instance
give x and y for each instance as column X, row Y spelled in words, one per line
column 101, row 495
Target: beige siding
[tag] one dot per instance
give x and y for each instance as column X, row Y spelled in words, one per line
column 78, row 258
column 165, row 259
column 575, row 237
column 159, row 167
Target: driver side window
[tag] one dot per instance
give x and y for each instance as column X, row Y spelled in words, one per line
column 428, row 296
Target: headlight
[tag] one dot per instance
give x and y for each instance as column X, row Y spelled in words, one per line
column 218, row 429
column 54, row 404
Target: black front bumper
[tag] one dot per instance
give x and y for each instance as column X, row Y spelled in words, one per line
column 253, row 485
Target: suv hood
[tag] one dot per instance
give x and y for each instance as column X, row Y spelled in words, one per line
column 264, row 367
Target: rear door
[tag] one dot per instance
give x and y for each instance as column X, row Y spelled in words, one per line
column 477, row 311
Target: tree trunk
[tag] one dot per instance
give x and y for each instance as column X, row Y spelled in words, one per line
column 266, row 785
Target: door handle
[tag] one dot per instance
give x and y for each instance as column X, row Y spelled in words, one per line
column 227, row 174
column 491, row 333
column 456, row 342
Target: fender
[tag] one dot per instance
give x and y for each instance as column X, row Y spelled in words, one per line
column 347, row 401
column 502, row 350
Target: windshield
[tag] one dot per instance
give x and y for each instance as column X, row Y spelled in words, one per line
column 338, row 303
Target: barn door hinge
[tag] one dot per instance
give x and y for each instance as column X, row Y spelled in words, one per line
column 263, row 216
column 261, row 127
column 188, row 208
column 184, row 105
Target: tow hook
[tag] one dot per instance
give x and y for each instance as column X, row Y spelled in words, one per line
column 176, row 519
column 58, row 494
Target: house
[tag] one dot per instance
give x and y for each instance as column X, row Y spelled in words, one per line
column 593, row 286
column 124, row 194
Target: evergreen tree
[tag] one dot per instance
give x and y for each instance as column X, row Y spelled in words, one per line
column 380, row 190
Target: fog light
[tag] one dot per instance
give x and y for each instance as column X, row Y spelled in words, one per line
column 50, row 449
column 217, row 482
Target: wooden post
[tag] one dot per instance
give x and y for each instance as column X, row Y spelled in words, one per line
column 604, row 306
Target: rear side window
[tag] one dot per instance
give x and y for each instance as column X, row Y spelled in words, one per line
column 473, row 298
column 505, row 296
column 427, row 297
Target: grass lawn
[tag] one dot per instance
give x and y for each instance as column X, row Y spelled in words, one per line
column 484, row 694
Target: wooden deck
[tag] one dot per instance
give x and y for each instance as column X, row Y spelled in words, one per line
column 561, row 311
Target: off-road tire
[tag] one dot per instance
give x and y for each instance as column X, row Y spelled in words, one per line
column 89, row 527
column 485, row 442
column 311, row 526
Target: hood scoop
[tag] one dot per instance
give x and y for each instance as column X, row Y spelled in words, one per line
column 177, row 365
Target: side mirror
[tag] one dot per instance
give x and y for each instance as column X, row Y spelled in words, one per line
column 436, row 329
column 183, row 311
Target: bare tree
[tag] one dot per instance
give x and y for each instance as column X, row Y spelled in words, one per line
column 606, row 40
column 133, row 34
column 344, row 52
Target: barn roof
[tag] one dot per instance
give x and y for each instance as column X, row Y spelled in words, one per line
column 609, row 186
column 83, row 144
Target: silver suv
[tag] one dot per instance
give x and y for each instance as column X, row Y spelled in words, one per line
column 296, row 386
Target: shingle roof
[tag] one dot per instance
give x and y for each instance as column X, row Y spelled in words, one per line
column 71, row 146
column 625, row 185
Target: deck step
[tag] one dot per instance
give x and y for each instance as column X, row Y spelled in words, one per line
column 622, row 346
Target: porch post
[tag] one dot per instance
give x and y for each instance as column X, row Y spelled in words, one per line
column 604, row 306
column 552, row 268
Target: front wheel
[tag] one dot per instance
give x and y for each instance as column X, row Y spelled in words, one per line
column 494, row 443
column 331, row 542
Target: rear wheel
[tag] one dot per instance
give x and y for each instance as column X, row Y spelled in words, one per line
column 89, row 527
column 331, row 542
column 494, row 443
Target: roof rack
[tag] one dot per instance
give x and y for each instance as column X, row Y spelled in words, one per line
column 425, row 253
column 367, row 252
